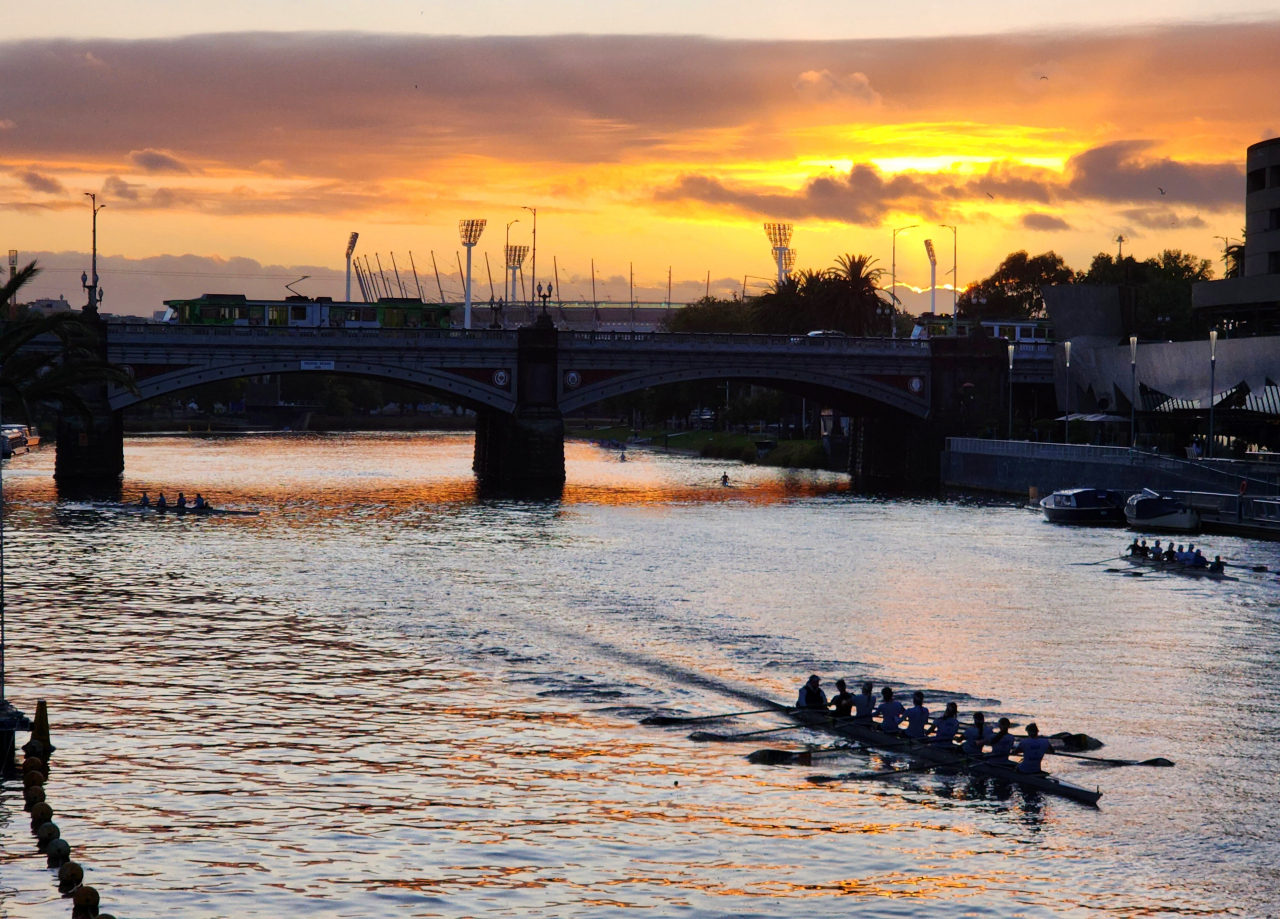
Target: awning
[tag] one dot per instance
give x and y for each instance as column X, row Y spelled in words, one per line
column 1101, row 418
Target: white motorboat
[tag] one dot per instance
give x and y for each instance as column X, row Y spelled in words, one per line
column 1150, row 510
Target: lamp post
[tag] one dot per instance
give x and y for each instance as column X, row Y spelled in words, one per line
column 893, row 292
column 1011, row 392
column 534, row 279
column 91, row 284
column 1213, row 364
column 1133, row 391
column 1066, row 416
column 955, row 276
column 508, row 295
column 469, row 231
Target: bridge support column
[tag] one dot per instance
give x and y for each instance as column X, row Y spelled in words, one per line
column 90, row 451
column 524, row 452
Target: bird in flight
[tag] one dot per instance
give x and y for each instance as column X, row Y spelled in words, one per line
column 991, row 196
column 1161, row 190
column 1044, row 77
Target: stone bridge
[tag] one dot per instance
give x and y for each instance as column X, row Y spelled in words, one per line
column 521, row 382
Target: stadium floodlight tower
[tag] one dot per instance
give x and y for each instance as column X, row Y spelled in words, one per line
column 470, row 231
column 789, row 261
column 933, row 277
column 780, row 236
column 351, row 247
column 515, row 259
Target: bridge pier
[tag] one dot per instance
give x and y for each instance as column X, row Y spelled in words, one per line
column 90, row 451
column 523, row 452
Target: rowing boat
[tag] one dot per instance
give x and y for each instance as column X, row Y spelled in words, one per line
column 171, row 509
column 1178, row 568
column 944, row 756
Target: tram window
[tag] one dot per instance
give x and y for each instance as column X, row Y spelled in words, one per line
column 298, row 313
column 393, row 318
column 413, row 319
column 277, row 315
column 255, row 313
column 368, row 314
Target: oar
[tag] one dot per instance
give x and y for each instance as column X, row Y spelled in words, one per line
column 890, row 773
column 1248, row 566
column 1112, row 559
column 768, row 757
column 1157, row 761
column 665, row 720
column 706, row 736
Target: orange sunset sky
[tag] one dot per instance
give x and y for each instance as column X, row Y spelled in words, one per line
column 636, row 147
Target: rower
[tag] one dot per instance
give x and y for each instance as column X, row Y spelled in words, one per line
column 1170, row 554
column 946, row 727
column 199, row 502
column 1002, row 744
column 1199, row 561
column 161, row 503
column 182, row 500
column 1033, row 747
column 864, row 705
column 145, row 500
column 1134, row 549
column 917, row 717
column 1217, row 566
column 975, row 736
column 622, row 457
column 842, row 701
column 891, row 712
column 1144, row 549
column 724, row 479
column 1156, row 551
column 811, row 695
column 1181, row 554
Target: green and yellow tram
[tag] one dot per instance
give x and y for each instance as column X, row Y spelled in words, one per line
column 308, row 312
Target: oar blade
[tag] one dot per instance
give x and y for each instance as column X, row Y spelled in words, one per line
column 1157, row 761
column 710, row 737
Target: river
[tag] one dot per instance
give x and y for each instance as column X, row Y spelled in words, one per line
column 385, row 696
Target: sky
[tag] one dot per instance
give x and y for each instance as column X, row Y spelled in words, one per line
column 236, row 153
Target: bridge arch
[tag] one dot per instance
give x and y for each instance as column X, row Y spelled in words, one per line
column 464, row 391
column 895, row 390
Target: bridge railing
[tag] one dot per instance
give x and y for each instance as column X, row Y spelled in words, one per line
column 746, row 341
column 279, row 333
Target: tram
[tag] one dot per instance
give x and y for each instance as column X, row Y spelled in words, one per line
column 308, row 312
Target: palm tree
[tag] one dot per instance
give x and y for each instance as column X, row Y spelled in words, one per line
column 867, row 301
column 50, row 360
column 846, row 298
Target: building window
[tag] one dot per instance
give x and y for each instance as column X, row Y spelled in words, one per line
column 1274, row 222
column 1273, row 263
column 1256, row 181
column 1273, row 177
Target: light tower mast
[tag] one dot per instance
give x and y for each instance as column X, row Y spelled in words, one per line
column 351, row 247
column 933, row 277
column 515, row 258
column 470, row 231
column 780, row 237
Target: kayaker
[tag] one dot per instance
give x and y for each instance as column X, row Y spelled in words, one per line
column 946, row 727
column 1002, row 744
column 864, row 705
column 161, row 503
column 917, row 717
column 1033, row 747
column 976, row 735
column 1217, row 566
column 891, row 712
column 842, row 701
column 182, row 501
column 145, row 500
column 811, row 695
column 724, row 479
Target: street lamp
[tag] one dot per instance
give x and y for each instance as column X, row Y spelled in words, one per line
column 470, row 231
column 1011, row 392
column 1133, row 391
column 91, row 284
column 510, row 295
column 1213, row 364
column 955, row 276
column 893, row 293
column 534, row 278
column 1066, row 416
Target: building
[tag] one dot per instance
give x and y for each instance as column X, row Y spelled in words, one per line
column 1250, row 305
column 46, row 306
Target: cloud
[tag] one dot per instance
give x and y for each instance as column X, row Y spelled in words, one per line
column 822, row 86
column 1044, row 223
column 116, row 187
column 1160, row 218
column 42, row 183
column 6, row 124
column 1121, row 171
column 155, row 161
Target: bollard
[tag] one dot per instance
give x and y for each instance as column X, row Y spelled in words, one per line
column 40, row 813
column 45, row 834
column 70, row 876
column 40, row 729
column 33, row 796
column 59, row 853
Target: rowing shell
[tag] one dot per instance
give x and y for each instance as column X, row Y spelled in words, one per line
column 198, row 511
column 1178, row 568
column 946, row 756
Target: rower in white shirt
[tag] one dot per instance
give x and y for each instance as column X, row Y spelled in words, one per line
column 864, row 705
column 917, row 717
column 891, row 712
column 946, row 727
column 1033, row 747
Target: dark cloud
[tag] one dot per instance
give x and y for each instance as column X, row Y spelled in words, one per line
column 156, row 162
column 1044, row 222
column 116, row 187
column 1160, row 218
column 1121, row 172
column 42, row 183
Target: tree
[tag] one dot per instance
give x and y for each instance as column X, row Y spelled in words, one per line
column 1012, row 291
column 711, row 314
column 846, row 298
column 1155, row 292
column 48, row 360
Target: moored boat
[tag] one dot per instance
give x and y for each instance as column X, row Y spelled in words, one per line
column 1150, row 510
column 945, row 756
column 1085, row 507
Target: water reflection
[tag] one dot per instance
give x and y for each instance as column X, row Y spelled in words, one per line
column 391, row 695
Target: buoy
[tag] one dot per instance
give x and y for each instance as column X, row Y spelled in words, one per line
column 40, row 813
column 34, row 763
column 40, row 729
column 34, row 777
column 45, row 834
column 84, row 903
column 70, row 876
column 33, row 747
column 33, row 795
column 59, row 851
